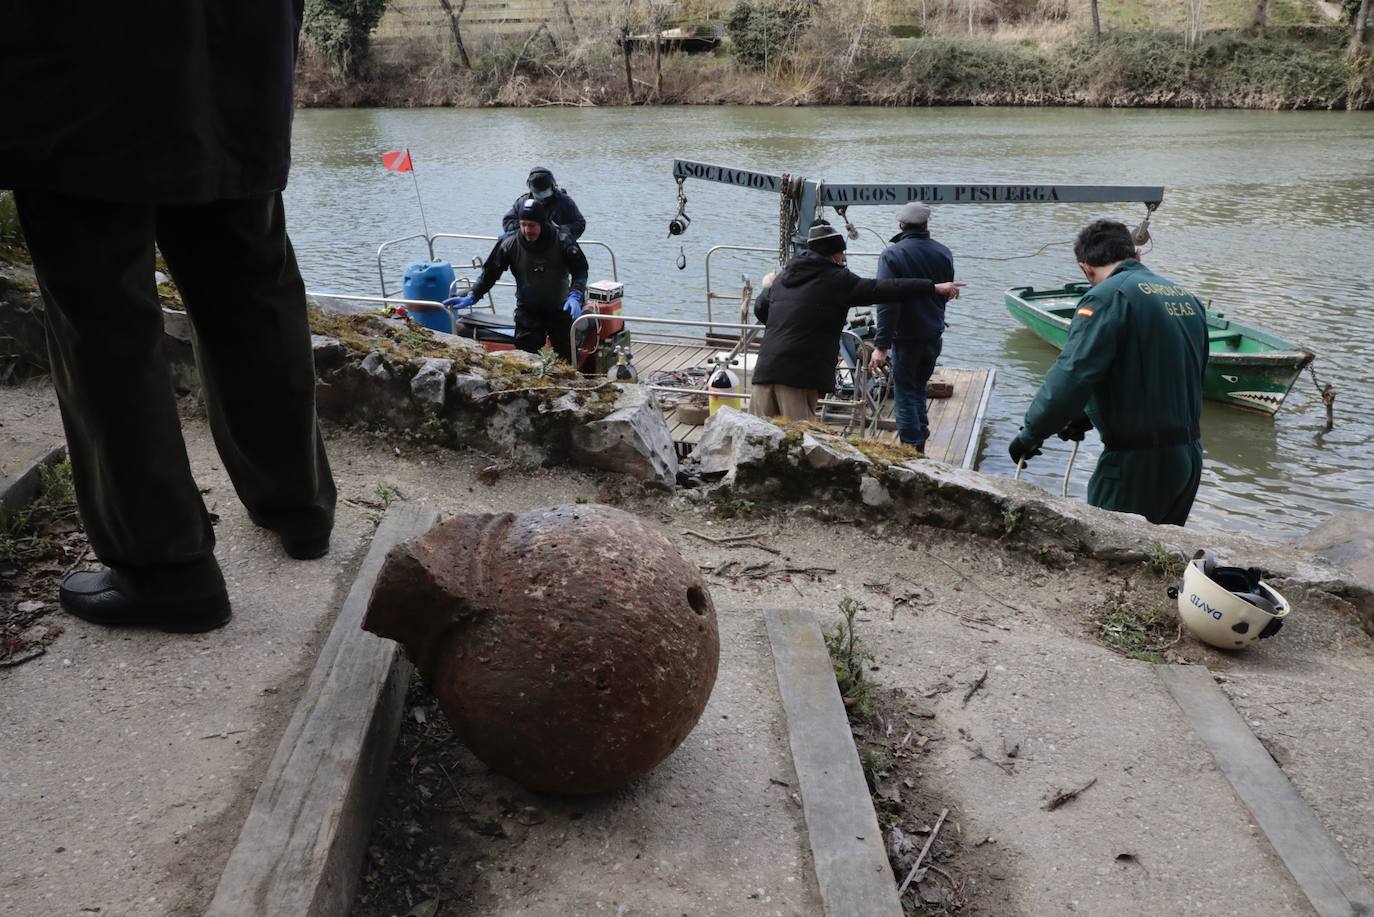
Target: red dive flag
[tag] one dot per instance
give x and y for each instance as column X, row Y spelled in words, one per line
column 398, row 161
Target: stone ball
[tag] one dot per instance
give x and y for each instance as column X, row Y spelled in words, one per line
column 573, row 648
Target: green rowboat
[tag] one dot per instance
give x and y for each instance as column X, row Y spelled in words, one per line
column 1246, row 367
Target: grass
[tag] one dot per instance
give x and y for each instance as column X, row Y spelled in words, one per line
column 735, row 509
column 385, row 494
column 875, row 764
column 367, row 332
column 848, row 656
column 886, row 453
column 1011, row 521
column 1142, row 634
column 1163, row 562
column 24, row 535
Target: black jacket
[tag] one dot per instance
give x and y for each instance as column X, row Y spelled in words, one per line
column 164, row 103
column 913, row 253
column 805, row 311
column 544, row 270
column 561, row 208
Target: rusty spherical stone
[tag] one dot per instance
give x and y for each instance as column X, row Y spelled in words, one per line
column 573, row 648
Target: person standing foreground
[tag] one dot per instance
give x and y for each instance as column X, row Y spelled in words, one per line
column 1132, row 367
column 187, row 152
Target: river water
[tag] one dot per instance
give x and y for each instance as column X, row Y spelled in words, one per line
column 1268, row 215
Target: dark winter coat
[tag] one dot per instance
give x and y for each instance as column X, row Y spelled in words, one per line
column 913, row 253
column 561, row 208
column 544, row 270
column 805, row 310
column 163, row 103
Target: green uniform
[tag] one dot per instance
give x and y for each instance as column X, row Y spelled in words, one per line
column 1134, row 360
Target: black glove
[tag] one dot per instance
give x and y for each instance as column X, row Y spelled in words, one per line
column 1075, row 430
column 1019, row 453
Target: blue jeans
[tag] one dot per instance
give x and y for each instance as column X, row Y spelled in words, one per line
column 913, row 362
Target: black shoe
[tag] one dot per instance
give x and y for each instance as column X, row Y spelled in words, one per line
column 307, row 548
column 92, row 596
column 297, row 547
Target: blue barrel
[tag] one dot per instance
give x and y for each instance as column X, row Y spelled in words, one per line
column 429, row 280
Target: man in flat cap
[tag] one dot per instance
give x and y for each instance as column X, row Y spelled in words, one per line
column 910, row 329
column 804, row 310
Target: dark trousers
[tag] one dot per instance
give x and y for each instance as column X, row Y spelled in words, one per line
column 913, row 363
column 1159, row 484
column 533, row 325
column 237, row 275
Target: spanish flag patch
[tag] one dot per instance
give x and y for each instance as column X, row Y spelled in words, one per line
column 1084, row 311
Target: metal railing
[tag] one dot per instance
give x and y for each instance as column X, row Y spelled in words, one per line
column 858, row 372
column 414, row 305
column 429, row 249
column 712, row 295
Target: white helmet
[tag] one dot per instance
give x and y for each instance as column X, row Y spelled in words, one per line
column 1228, row 607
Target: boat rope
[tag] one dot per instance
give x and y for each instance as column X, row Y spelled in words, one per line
column 1328, row 395
column 1037, row 252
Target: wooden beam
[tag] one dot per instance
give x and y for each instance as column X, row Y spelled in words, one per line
column 301, row 847
column 1312, row 856
column 852, row 870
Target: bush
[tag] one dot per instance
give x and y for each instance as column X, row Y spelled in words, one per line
column 762, row 31
column 341, row 30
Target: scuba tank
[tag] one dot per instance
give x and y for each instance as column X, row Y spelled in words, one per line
column 623, row 370
column 723, row 387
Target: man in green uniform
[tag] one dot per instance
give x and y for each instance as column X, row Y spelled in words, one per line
column 1134, row 361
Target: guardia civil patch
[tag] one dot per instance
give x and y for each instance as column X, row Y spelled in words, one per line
column 1084, row 311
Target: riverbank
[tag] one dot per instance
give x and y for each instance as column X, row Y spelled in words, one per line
column 1006, row 679
column 1297, row 68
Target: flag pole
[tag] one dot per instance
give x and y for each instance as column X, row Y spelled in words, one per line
column 423, row 220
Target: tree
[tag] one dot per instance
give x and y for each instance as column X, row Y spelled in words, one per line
column 761, row 31
column 341, row 30
column 1361, row 23
column 625, row 49
column 457, row 32
column 1193, row 35
column 1097, row 24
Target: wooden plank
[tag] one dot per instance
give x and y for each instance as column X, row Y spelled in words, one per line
column 963, row 417
column 852, row 870
column 976, row 427
column 1312, row 856
column 942, row 433
column 657, row 357
column 300, row 848
column 19, row 489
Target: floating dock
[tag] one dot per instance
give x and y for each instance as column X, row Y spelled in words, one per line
column 956, row 422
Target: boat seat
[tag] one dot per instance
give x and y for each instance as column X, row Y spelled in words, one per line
column 1229, row 339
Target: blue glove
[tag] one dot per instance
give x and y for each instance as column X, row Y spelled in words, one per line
column 461, row 302
column 573, row 306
